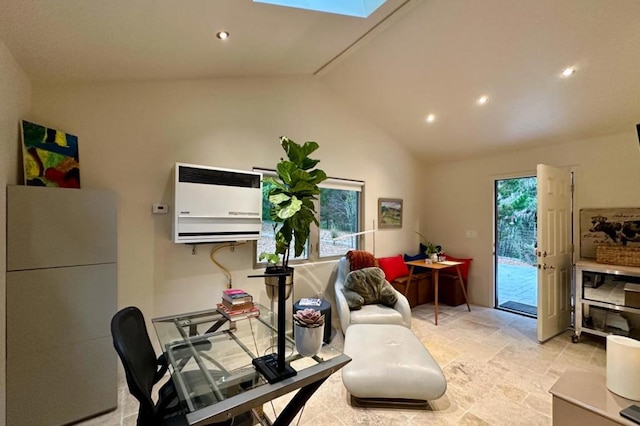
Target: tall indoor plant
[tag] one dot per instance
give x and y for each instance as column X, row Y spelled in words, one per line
column 291, row 196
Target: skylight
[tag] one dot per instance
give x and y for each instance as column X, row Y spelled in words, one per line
column 359, row 8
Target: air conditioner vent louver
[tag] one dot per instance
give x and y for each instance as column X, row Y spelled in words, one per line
column 218, row 177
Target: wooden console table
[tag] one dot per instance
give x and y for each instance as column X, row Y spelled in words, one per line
column 582, row 398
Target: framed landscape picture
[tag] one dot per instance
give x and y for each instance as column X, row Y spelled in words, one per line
column 389, row 213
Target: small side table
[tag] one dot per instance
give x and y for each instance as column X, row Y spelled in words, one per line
column 324, row 308
column 582, row 398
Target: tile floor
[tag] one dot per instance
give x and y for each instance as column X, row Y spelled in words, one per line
column 497, row 374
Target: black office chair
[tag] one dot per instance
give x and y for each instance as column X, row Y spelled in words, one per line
column 143, row 371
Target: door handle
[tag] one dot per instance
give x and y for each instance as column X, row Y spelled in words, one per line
column 544, row 266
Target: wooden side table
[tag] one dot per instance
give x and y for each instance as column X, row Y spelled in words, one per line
column 435, row 268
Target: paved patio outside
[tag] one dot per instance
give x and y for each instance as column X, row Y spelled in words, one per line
column 517, row 282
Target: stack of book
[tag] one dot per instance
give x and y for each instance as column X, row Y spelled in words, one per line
column 237, row 304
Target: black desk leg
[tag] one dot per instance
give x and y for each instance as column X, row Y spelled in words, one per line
column 297, row 402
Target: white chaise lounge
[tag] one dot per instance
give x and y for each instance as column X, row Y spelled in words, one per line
column 390, row 365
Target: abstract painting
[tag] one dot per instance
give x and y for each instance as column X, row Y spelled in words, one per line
column 389, row 213
column 50, row 157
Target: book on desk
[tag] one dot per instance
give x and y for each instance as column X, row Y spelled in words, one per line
column 237, row 304
column 236, row 296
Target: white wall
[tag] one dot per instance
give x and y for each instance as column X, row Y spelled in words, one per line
column 15, row 94
column 460, row 196
column 130, row 135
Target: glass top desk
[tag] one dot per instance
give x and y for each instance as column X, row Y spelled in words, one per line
column 210, row 359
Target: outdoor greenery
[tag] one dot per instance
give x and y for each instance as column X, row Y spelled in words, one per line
column 516, row 210
column 343, row 208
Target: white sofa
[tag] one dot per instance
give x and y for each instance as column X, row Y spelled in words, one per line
column 400, row 314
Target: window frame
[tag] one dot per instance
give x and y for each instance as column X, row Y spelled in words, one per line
column 313, row 244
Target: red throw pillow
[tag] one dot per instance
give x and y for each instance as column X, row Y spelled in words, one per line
column 393, row 267
column 464, row 268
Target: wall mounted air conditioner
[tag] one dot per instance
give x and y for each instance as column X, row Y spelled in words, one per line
column 214, row 205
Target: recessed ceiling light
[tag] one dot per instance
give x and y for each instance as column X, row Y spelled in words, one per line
column 222, row 35
column 482, row 100
column 431, row 118
column 568, row 72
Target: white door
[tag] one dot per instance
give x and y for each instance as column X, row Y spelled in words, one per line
column 554, row 251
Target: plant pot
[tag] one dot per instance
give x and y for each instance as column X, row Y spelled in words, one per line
column 308, row 340
column 271, row 283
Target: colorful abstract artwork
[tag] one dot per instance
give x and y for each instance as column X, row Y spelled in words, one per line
column 50, row 157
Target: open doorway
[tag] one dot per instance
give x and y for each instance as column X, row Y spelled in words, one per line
column 516, row 274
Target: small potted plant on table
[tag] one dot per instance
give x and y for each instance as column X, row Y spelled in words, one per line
column 308, row 331
column 431, row 250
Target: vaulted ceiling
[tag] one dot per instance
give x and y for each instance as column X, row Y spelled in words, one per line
column 409, row 59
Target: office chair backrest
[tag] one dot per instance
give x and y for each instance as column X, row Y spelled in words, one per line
column 131, row 341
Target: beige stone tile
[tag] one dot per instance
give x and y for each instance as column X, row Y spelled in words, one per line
column 588, row 356
column 469, row 379
column 453, row 405
column 443, row 411
column 578, row 353
column 511, row 392
column 442, row 353
column 127, row 404
column 130, row 421
column 322, row 419
column 368, row 416
column 542, row 405
column 483, row 348
column 526, row 356
column 529, row 382
column 495, row 408
column 599, row 358
column 108, row 419
column 472, row 420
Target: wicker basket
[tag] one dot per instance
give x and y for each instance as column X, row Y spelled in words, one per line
column 618, row 255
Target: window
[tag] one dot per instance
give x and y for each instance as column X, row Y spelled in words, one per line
column 339, row 217
column 339, row 213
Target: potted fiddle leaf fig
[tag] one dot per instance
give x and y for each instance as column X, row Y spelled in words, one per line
column 292, row 209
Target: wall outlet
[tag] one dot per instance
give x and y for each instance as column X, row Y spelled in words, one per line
column 472, row 234
column 160, row 208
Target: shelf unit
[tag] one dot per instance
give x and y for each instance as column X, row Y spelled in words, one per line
column 610, row 297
